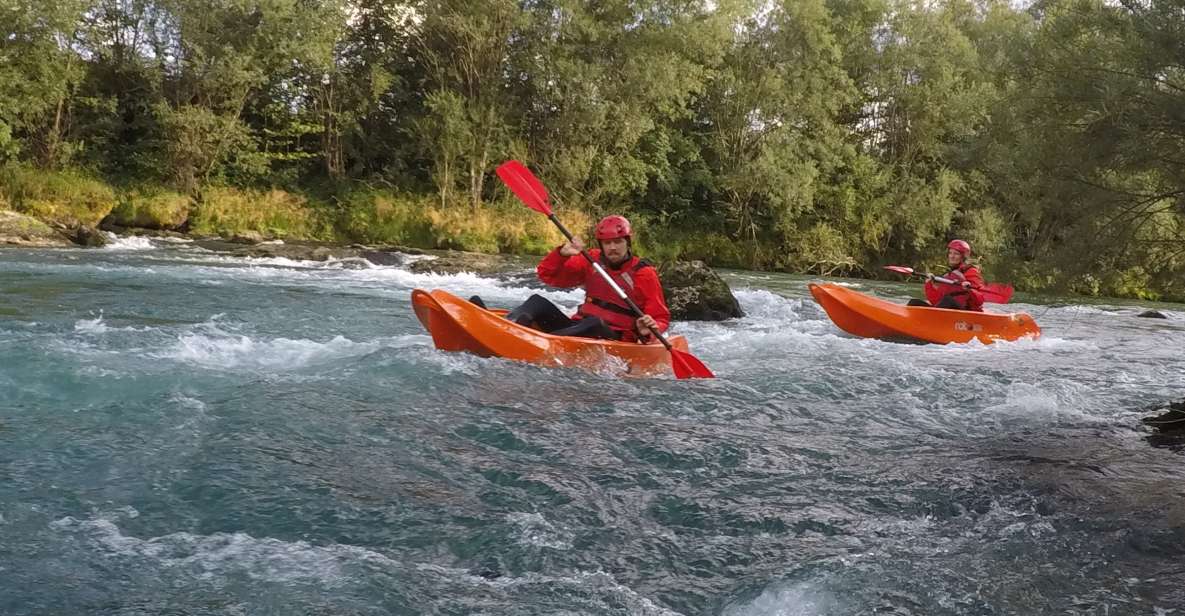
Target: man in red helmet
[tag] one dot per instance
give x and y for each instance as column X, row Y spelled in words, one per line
column 964, row 293
column 603, row 314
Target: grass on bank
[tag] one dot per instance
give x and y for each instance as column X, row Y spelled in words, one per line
column 68, row 198
column 151, row 207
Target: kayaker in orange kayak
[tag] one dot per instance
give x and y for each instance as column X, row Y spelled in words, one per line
column 964, row 293
column 603, row 314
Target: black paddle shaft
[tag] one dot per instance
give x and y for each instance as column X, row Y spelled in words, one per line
column 620, row 293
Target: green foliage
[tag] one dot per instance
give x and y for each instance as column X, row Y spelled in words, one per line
column 198, row 145
column 986, row 230
column 809, row 135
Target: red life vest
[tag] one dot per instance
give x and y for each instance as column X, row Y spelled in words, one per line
column 600, row 300
column 967, row 299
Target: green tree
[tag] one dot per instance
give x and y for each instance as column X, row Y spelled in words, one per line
column 468, row 122
column 768, row 122
column 608, row 86
column 40, row 73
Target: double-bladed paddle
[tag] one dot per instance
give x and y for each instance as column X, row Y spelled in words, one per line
column 534, row 195
column 996, row 293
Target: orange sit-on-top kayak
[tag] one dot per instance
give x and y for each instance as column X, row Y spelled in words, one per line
column 868, row 317
column 457, row 325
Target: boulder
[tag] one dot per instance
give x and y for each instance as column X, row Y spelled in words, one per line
column 250, row 236
column 696, row 293
column 384, row 257
column 23, row 230
column 89, row 237
column 1152, row 314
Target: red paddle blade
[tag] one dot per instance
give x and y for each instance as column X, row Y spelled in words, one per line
column 996, row 293
column 525, row 186
column 900, row 269
column 688, row 366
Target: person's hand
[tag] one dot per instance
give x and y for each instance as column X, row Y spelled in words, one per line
column 572, row 248
column 646, row 325
column 966, row 285
column 930, row 276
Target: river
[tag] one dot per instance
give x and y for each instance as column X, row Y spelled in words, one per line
column 188, row 433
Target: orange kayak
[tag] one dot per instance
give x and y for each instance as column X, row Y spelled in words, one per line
column 868, row 317
column 457, row 325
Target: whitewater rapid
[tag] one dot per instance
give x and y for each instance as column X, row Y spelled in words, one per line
column 184, row 431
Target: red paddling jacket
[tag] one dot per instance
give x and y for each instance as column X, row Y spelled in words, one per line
column 968, row 299
column 635, row 276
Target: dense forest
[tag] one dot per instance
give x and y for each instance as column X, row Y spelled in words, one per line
column 821, row 136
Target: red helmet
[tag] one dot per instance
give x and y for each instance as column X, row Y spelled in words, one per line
column 613, row 227
column 960, row 246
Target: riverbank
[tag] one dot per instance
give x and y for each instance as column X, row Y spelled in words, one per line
column 65, row 208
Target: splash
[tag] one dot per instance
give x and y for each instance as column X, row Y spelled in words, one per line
column 126, row 243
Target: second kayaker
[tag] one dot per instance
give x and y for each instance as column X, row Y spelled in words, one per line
column 603, row 314
column 964, row 293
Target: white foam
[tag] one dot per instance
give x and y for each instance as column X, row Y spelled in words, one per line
column 1025, row 403
column 789, row 600
column 224, row 352
column 91, row 326
column 222, row 553
column 598, row 582
column 97, row 326
column 536, row 531
column 128, row 242
column 764, row 306
column 188, row 403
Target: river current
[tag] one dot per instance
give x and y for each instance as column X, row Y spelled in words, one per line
column 193, row 434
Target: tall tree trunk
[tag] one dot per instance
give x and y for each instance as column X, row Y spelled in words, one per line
column 331, row 143
column 48, row 158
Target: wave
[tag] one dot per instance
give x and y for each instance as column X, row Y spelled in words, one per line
column 227, row 352
column 264, row 559
column 128, row 242
column 802, row 599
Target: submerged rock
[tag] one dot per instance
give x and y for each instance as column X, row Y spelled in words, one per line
column 1168, row 427
column 1152, row 314
column 696, row 293
column 1171, row 420
column 249, row 236
column 107, row 225
column 456, row 262
column 21, row 230
column 364, row 256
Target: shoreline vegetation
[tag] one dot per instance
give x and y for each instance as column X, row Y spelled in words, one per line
column 825, row 137
column 69, row 209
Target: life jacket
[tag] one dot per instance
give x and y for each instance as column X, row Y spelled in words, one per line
column 600, row 300
column 965, row 298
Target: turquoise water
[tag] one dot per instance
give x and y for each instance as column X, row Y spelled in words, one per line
column 185, row 433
